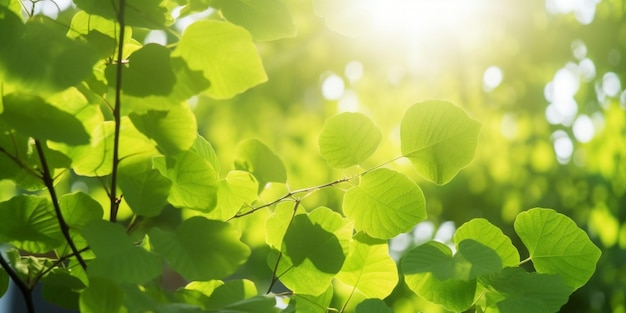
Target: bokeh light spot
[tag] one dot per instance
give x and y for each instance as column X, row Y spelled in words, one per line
column 492, row 78
column 333, row 87
column 583, row 129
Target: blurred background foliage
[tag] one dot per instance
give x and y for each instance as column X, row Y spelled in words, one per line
column 543, row 77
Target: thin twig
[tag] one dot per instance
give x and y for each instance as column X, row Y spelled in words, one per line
column 49, row 183
column 280, row 253
column 21, row 285
column 56, row 263
column 115, row 202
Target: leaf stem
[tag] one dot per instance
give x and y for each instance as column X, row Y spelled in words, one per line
column 115, row 202
column 24, row 289
column 524, row 261
column 49, row 183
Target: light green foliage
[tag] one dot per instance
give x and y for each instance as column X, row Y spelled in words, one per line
column 29, row 223
column 369, row 269
column 516, row 291
column 313, row 251
column 117, row 258
column 313, row 304
column 348, row 139
column 439, row 139
column 373, row 306
column 102, row 296
column 225, row 54
column 150, row 156
column 257, row 158
column 146, row 192
column 385, row 204
column 557, row 246
column 264, row 19
column 174, row 131
column 194, row 185
column 55, row 62
column 201, row 249
column 34, row 117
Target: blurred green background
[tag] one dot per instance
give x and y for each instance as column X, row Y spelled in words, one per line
column 543, row 77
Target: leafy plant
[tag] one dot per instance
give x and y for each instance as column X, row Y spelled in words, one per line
column 92, row 102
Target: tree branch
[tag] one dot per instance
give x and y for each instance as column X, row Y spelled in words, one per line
column 49, row 183
column 115, row 202
column 24, row 289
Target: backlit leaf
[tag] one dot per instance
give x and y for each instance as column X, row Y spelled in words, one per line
column 201, row 249
column 314, row 304
column 237, row 189
column 264, row 19
column 117, row 258
column 368, row 268
column 226, row 55
column 204, row 149
column 194, row 183
column 174, row 130
column 516, row 291
column 348, row 139
column 255, row 157
column 279, row 221
column 439, row 139
column 54, row 62
column 102, row 296
column 78, row 209
column 485, row 233
column 146, row 192
column 29, row 223
column 557, row 246
column 140, row 13
column 385, row 204
column 454, row 295
column 61, row 288
column 373, row 306
column 313, row 251
column 34, row 117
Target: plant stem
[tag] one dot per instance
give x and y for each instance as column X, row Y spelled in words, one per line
column 115, row 202
column 49, row 183
column 24, row 289
column 280, row 254
column 57, row 262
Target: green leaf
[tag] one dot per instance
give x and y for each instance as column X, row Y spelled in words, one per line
column 29, row 223
column 314, row 304
column 471, row 260
column 148, row 72
column 385, row 204
column 373, row 306
column 237, row 189
column 194, row 183
column 117, row 258
column 217, row 295
column 34, row 117
column 204, row 149
column 175, row 130
column 454, row 295
column 313, row 251
column 102, row 296
column 79, row 209
column 368, row 268
column 14, row 5
column 38, row 57
column 264, row 19
column 146, row 192
column 348, row 139
column 485, row 233
column 98, row 32
column 278, row 222
column 226, row 55
column 61, row 288
column 255, row 157
column 516, row 291
column 217, row 255
column 557, row 246
column 439, row 139
column 139, row 13
column 95, row 159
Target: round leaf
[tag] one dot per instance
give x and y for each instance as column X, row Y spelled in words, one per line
column 201, row 249
column 225, row 53
column 439, row 139
column 174, row 130
column 385, row 204
column 102, row 296
column 485, row 233
column 257, row 158
column 557, row 246
column 348, row 139
column 145, row 192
